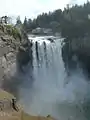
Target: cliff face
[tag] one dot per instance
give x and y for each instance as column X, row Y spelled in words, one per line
column 14, row 54
column 76, row 51
column 7, row 51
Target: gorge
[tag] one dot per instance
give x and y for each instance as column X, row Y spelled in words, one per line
column 46, row 88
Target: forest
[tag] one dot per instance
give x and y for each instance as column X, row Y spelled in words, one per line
column 72, row 22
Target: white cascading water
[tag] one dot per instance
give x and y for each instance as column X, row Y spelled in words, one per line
column 45, row 92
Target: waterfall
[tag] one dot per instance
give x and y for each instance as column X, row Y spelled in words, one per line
column 48, row 92
column 46, row 87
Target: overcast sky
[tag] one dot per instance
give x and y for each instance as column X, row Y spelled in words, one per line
column 31, row 8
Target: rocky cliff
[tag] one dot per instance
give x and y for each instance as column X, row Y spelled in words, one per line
column 76, row 51
column 14, row 54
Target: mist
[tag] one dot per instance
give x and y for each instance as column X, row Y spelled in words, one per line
column 47, row 89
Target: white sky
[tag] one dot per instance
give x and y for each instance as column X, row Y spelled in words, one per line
column 31, row 8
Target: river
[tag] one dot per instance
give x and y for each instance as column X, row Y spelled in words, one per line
column 47, row 88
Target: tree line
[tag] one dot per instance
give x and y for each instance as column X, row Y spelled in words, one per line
column 71, row 22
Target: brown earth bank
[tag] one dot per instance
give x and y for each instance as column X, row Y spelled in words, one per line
column 8, row 111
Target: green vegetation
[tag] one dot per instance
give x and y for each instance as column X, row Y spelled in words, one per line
column 15, row 32
column 9, row 26
column 72, row 22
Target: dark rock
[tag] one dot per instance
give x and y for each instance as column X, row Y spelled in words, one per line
column 4, row 39
column 51, row 39
column 37, row 52
column 80, row 48
column 13, row 46
column 22, row 49
column 25, row 44
column 23, row 59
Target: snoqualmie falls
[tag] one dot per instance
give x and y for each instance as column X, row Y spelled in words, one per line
column 47, row 89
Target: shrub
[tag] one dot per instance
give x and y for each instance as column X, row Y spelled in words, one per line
column 16, row 33
column 13, row 31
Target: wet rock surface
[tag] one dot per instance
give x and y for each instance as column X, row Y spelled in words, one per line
column 80, row 48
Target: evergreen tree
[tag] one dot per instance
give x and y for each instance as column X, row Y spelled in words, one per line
column 18, row 21
column 73, row 21
column 25, row 24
